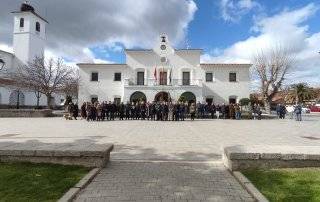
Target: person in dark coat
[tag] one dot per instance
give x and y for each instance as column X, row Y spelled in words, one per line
column 212, row 110
column 83, row 111
column 75, row 111
column 122, row 110
column 223, row 110
column 143, row 111
column 127, row 110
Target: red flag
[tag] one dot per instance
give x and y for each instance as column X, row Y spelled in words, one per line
column 155, row 73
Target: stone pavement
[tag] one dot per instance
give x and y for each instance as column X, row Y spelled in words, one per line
column 164, row 181
column 175, row 144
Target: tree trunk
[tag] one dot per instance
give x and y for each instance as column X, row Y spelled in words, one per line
column 267, row 105
column 49, row 101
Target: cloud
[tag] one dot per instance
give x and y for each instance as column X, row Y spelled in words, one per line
column 233, row 10
column 79, row 24
column 288, row 29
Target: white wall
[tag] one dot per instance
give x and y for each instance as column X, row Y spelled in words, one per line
column 106, row 88
column 27, row 42
column 221, row 89
column 178, row 61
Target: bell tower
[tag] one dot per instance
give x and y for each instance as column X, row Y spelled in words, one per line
column 29, row 34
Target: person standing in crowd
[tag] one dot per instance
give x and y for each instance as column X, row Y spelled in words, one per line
column 218, row 110
column 75, row 111
column 223, row 111
column 254, row 111
column 298, row 112
column 212, row 110
column 178, row 111
column 231, row 111
column 283, row 111
column 122, row 109
column 128, row 110
column 182, row 111
column 278, row 110
column 237, row 111
column 166, row 111
column 99, row 112
column 259, row 112
column 83, row 111
column 192, row 111
column 143, row 110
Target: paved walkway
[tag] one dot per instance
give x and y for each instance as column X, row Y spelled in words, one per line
column 123, row 181
column 173, row 143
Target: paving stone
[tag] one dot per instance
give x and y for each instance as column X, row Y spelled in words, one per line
column 166, row 181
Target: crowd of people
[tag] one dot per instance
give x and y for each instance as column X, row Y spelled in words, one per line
column 155, row 111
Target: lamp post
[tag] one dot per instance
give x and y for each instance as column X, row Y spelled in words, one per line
column 2, row 63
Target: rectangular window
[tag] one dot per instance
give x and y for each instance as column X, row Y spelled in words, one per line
column 21, row 22
column 94, row 76
column 163, row 78
column 140, row 78
column 186, row 78
column 209, row 77
column 117, row 76
column 233, row 77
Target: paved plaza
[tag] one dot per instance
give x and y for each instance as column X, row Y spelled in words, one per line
column 164, row 161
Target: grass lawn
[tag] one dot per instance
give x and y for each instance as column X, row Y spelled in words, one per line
column 37, row 182
column 299, row 185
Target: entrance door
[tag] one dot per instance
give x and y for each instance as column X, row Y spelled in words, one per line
column 163, row 78
column 162, row 96
column 140, row 78
column 186, row 78
column 232, row 100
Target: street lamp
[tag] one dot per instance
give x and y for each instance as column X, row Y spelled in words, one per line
column 2, row 63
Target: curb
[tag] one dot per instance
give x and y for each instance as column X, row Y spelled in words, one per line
column 253, row 191
column 72, row 192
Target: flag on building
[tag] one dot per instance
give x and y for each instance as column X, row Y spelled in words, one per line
column 155, row 73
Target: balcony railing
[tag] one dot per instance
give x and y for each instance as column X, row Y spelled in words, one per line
column 172, row 82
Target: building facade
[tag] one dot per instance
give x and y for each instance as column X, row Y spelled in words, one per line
column 29, row 38
column 164, row 73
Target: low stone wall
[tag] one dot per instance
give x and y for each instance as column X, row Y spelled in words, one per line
column 25, row 113
column 92, row 155
column 266, row 157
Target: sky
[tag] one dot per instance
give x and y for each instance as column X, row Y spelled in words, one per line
column 228, row 31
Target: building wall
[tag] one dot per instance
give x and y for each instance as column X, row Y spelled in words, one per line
column 221, row 88
column 105, row 88
column 27, row 42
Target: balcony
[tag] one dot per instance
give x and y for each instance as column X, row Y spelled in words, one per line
column 173, row 82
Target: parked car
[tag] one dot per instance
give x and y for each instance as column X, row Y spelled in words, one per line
column 315, row 108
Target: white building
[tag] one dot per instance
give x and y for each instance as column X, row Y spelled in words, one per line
column 164, row 73
column 29, row 38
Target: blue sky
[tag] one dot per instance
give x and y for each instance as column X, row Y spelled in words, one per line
column 211, row 32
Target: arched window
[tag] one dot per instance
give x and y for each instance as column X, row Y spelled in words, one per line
column 138, row 97
column 21, row 22
column 37, row 26
column 188, row 97
column 15, row 96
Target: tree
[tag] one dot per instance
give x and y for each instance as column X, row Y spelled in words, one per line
column 45, row 76
column 302, row 92
column 244, row 101
column 271, row 68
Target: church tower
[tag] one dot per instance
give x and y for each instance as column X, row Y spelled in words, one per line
column 29, row 34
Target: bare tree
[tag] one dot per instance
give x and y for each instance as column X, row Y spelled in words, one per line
column 45, row 76
column 271, row 67
column 72, row 85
